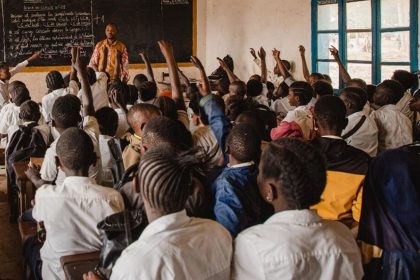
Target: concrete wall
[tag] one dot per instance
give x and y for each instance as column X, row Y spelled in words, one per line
column 233, row 27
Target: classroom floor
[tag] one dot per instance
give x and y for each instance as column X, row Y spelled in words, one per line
column 10, row 246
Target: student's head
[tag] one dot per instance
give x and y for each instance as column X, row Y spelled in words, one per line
column 132, row 96
column 199, row 116
column 139, row 79
column 65, row 112
column 29, row 111
column 406, row 79
column 140, row 114
column 322, row 88
column 237, row 88
column 235, row 105
column 286, row 64
column 354, row 98
column 161, row 129
column 357, row 83
column 222, row 86
column 18, row 93
column 111, row 31
column 292, row 175
column 167, row 106
column 75, row 153
column 254, row 88
column 415, row 102
column 255, row 77
column 327, row 78
column 147, row 91
column 300, row 93
column 107, row 120
column 166, row 180
column 54, row 81
column 4, row 71
column 330, row 115
column 91, row 75
column 315, row 77
column 252, row 118
column 121, row 90
column 370, row 91
column 388, row 92
column 243, row 144
column 283, row 90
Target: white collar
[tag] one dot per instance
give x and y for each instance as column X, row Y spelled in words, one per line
column 332, row 137
column 164, row 223
column 295, row 217
column 244, row 164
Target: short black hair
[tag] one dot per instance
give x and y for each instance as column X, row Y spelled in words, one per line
column 19, row 92
column 107, row 120
column 254, row 88
column 223, row 85
column 303, row 90
column 138, row 79
column 75, row 149
column 4, row 65
column 388, row 92
column 235, row 105
column 317, row 76
column 91, row 75
column 54, row 80
column 322, row 88
column 244, row 143
column 330, row 112
column 112, row 24
column 240, row 88
column 407, row 80
column 356, row 82
column 299, row 170
column 121, row 90
column 252, row 118
column 147, row 91
column 287, row 64
column 66, row 111
column 164, row 130
column 148, row 110
column 166, row 178
column 356, row 96
column 167, row 106
column 30, row 111
column 270, row 86
column 370, row 91
column 327, row 78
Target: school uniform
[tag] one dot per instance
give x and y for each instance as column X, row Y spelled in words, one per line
column 70, row 213
column 403, row 105
column 132, row 152
column 9, row 117
column 297, row 123
column 4, row 85
column 276, row 80
column 282, row 106
column 49, row 99
column 107, row 161
column 261, row 99
column 209, row 151
column 346, row 170
column 296, row 244
column 394, row 128
column 176, row 246
column 99, row 91
column 366, row 137
column 123, row 126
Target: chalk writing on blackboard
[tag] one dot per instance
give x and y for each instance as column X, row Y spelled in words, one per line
column 175, row 2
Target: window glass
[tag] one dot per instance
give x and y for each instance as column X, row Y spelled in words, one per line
column 395, row 13
column 359, row 14
column 395, row 46
column 361, row 71
column 325, row 40
column 359, row 46
column 388, row 70
column 328, row 17
column 331, row 69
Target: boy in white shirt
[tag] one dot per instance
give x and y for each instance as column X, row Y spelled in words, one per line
column 98, row 82
column 395, row 129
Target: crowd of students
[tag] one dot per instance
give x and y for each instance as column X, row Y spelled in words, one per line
column 269, row 178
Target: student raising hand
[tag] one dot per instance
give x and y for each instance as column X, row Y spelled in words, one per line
column 302, row 50
column 253, row 53
column 334, row 52
column 205, row 85
column 276, row 53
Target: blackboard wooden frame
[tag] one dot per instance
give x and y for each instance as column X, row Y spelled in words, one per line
column 134, row 65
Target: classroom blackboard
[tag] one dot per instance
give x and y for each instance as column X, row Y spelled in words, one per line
column 55, row 25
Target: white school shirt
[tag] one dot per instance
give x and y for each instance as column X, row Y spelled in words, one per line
column 99, row 91
column 4, row 85
column 296, row 244
column 49, row 99
column 176, row 246
column 123, row 126
column 106, row 160
column 49, row 170
column 303, row 117
column 70, row 213
column 404, row 105
column 276, row 80
column 366, row 137
column 9, row 117
column 394, row 128
column 282, row 106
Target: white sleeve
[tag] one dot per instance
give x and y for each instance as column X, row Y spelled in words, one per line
column 49, row 170
column 289, row 81
column 246, row 263
column 73, row 87
column 19, row 67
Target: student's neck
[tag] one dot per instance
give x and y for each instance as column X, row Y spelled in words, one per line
column 327, row 131
column 233, row 161
column 77, row 173
column 154, row 214
column 60, row 130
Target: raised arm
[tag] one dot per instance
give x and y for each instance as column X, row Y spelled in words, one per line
column 262, row 56
column 149, row 69
column 87, row 99
column 167, row 51
column 184, row 79
column 282, row 68
column 343, row 71
column 232, row 77
column 306, row 72
column 23, row 64
column 205, row 84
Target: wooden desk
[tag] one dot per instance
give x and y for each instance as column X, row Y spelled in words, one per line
column 25, row 186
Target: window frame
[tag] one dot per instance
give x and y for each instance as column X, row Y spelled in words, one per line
column 376, row 31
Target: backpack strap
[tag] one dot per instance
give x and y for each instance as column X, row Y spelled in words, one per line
column 355, row 128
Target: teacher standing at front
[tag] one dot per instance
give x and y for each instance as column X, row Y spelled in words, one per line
column 110, row 55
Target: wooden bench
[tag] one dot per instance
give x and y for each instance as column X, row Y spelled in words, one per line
column 25, row 186
column 75, row 265
column 26, row 230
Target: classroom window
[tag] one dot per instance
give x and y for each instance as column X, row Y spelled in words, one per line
column 374, row 37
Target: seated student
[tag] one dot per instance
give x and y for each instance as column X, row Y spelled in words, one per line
column 415, row 107
column 297, row 123
column 390, row 217
column 254, row 89
column 117, row 93
column 98, row 82
column 234, row 106
column 347, row 166
column 361, row 131
column 395, row 129
column 252, row 119
column 9, row 113
column 65, row 114
column 6, row 74
column 137, row 117
column 108, row 124
column 295, row 243
column 408, row 81
column 71, row 211
column 237, row 203
column 57, row 88
column 173, row 245
column 146, row 86
column 236, row 88
column 322, row 88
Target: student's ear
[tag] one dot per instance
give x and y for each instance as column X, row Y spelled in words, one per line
column 269, row 191
column 136, row 184
column 297, row 99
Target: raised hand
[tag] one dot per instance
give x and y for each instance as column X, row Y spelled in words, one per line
column 196, row 62
column 35, row 56
column 333, row 50
column 302, row 50
column 76, row 62
column 262, row 53
column 166, row 48
column 253, row 53
column 276, row 53
column 222, row 63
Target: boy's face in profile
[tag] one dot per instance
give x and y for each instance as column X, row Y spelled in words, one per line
column 5, row 74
